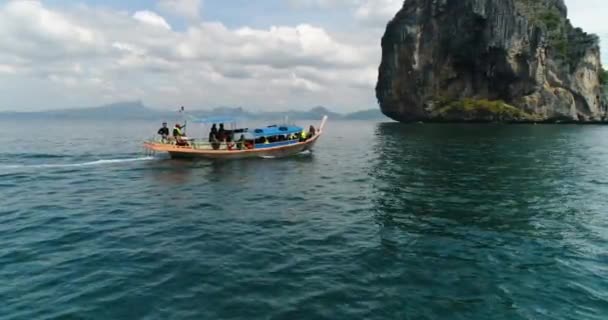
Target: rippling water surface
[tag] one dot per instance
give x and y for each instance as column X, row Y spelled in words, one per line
column 383, row 221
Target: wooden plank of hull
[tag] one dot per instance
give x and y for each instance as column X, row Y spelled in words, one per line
column 276, row 152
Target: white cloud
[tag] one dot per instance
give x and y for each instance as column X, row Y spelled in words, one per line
column 189, row 9
column 377, row 12
column 127, row 47
column 35, row 19
column 5, row 68
column 372, row 13
column 293, row 46
column 27, row 28
column 151, row 18
column 323, row 4
column 105, row 56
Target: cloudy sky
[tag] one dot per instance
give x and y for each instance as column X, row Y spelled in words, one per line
column 265, row 54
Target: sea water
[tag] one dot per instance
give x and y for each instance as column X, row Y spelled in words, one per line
column 381, row 221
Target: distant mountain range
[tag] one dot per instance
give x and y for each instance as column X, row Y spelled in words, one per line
column 137, row 111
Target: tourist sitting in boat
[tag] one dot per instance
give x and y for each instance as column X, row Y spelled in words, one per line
column 214, row 141
column 221, row 134
column 164, row 132
column 229, row 143
column 179, row 135
column 240, row 144
column 311, row 131
column 303, row 136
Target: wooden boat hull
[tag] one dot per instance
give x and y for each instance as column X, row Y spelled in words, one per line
column 271, row 152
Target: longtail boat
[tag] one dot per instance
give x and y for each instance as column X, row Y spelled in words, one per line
column 273, row 141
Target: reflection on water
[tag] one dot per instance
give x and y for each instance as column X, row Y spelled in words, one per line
column 493, row 176
column 506, row 209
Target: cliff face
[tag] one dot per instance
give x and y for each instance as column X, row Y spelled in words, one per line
column 489, row 60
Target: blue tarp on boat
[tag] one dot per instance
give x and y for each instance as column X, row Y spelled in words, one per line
column 275, row 131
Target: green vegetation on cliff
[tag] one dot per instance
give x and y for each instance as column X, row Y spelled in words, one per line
column 493, row 110
column 568, row 44
column 604, row 77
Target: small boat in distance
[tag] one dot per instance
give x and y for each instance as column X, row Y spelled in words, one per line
column 273, row 141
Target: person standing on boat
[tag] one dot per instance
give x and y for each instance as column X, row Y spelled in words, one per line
column 177, row 130
column 164, row 132
column 179, row 135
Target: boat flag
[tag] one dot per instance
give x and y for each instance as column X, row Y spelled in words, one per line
column 183, row 112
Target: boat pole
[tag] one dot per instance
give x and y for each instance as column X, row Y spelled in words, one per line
column 323, row 123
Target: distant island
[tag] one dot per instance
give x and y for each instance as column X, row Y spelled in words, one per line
column 136, row 110
column 490, row 61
